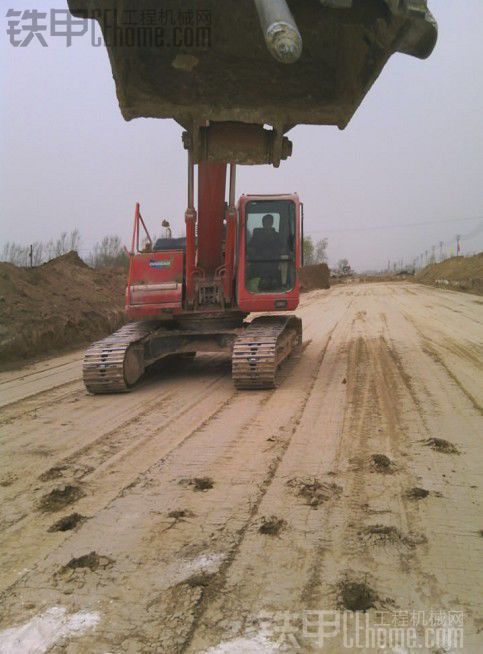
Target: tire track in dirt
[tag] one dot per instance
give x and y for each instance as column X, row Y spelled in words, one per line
column 18, row 409
column 452, row 482
column 257, row 401
column 34, row 385
column 221, row 577
column 102, row 483
column 434, row 350
column 236, row 460
column 384, row 533
column 371, row 426
column 104, row 410
column 125, row 437
column 433, row 353
column 175, row 568
column 231, row 608
column 42, row 374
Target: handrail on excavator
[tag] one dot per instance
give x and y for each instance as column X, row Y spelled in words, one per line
column 135, row 235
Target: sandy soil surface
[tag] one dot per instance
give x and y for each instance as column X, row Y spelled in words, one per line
column 189, row 517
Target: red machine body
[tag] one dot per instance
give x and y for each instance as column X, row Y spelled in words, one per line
column 155, row 284
column 219, row 266
column 155, row 281
column 192, row 294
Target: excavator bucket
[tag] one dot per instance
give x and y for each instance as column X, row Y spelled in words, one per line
column 237, row 66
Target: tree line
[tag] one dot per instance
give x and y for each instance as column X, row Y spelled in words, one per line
column 314, row 252
column 107, row 252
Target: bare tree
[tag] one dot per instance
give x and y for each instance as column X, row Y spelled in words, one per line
column 108, row 252
column 320, row 254
column 15, row 253
column 343, row 267
column 308, row 249
column 41, row 251
column 61, row 245
column 37, row 253
column 74, row 240
column 49, row 250
column 314, row 252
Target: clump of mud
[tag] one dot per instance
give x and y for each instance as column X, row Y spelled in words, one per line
column 201, row 483
column 202, row 579
column 272, row 525
column 390, row 535
column 313, row 491
column 91, row 561
column 356, row 596
column 440, row 445
column 416, row 493
column 382, row 464
column 60, row 497
column 68, row 522
column 53, row 473
column 8, row 480
column 180, row 514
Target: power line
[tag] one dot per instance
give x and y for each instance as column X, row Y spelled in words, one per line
column 399, row 225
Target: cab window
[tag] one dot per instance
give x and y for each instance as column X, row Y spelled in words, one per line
column 270, row 246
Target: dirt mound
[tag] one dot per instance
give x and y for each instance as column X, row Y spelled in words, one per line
column 56, row 305
column 313, row 277
column 356, row 596
column 458, row 273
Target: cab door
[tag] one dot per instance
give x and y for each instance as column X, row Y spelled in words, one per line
column 269, row 253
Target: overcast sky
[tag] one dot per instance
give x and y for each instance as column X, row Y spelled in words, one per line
column 413, row 153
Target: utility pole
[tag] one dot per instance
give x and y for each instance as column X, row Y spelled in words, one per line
column 458, row 248
column 31, row 256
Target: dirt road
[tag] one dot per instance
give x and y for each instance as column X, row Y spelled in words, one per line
column 188, row 517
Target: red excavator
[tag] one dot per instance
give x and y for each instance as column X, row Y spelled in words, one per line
column 188, row 295
column 237, row 76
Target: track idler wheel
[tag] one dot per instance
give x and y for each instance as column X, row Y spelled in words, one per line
column 133, row 365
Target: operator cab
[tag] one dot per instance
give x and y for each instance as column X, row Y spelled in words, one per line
column 269, row 239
